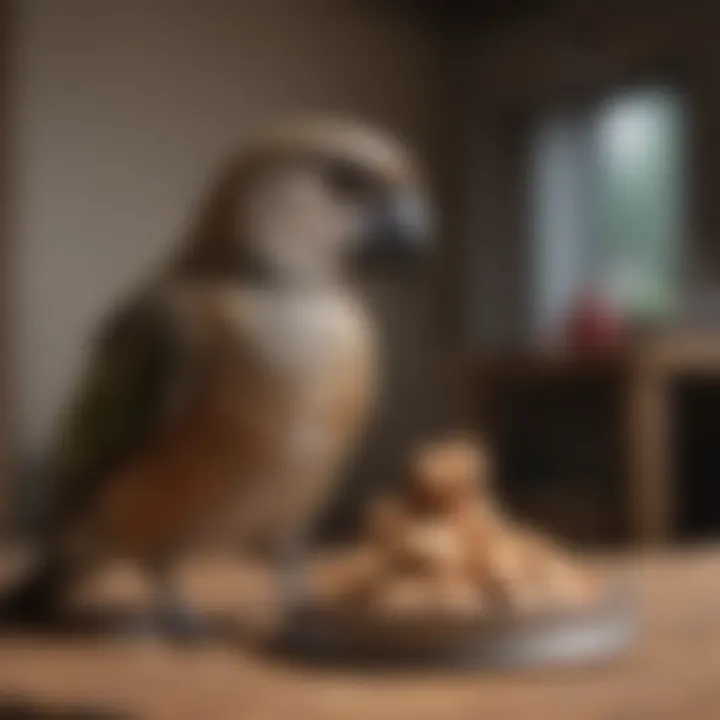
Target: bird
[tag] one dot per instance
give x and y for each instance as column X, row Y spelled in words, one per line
column 226, row 394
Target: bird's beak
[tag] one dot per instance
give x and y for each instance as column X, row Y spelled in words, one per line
column 398, row 231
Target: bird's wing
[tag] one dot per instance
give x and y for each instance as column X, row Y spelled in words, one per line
column 138, row 374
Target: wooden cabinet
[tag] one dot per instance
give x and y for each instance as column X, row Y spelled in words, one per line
column 635, row 387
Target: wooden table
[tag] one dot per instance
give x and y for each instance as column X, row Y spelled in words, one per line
column 672, row 673
column 646, row 371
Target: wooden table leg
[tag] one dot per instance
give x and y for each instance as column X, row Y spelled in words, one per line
column 649, row 448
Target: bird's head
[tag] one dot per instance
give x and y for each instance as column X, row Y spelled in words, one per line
column 310, row 201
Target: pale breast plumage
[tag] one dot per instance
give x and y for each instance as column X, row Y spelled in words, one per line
column 313, row 353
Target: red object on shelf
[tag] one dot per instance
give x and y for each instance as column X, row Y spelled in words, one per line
column 594, row 324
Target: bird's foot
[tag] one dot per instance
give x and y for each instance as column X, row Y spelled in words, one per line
column 182, row 624
column 177, row 623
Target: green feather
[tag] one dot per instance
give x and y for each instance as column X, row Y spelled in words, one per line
column 119, row 405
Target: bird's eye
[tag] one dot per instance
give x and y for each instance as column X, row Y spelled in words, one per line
column 348, row 180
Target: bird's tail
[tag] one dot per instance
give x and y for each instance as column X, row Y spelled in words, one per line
column 37, row 596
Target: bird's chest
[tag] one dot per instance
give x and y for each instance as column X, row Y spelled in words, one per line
column 281, row 361
column 298, row 340
column 278, row 378
column 263, row 441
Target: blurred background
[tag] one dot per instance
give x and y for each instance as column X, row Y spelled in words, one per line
column 572, row 311
column 571, row 314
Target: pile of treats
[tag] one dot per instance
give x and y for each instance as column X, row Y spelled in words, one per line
column 443, row 547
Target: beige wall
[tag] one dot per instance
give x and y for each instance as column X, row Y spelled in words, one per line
column 124, row 106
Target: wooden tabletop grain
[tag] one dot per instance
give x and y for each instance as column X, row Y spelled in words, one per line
column 672, row 673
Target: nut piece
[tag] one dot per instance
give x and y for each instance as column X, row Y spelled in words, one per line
column 405, row 597
column 501, row 570
column 481, row 526
column 531, row 574
column 563, row 581
column 446, row 473
column 385, row 522
column 459, row 599
column 431, row 548
column 351, row 577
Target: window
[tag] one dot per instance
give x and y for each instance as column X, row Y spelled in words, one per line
column 607, row 206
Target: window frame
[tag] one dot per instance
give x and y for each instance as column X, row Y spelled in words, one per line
column 582, row 102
